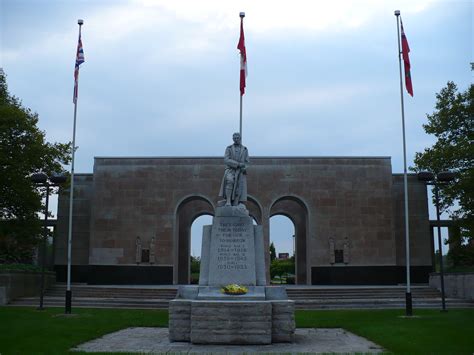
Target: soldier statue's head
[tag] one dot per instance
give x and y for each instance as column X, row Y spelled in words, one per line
column 236, row 138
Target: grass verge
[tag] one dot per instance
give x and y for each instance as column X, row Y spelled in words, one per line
column 427, row 332
column 28, row 331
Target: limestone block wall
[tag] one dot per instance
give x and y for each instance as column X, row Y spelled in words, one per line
column 457, row 285
column 16, row 284
column 421, row 242
column 353, row 204
column 139, row 197
column 83, row 191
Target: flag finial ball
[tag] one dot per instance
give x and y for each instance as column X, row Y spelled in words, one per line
column 242, row 14
column 397, row 12
column 80, row 22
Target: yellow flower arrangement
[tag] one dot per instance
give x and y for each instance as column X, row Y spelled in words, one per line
column 234, row 289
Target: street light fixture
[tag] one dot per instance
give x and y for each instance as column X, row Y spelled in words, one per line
column 41, row 179
column 442, row 178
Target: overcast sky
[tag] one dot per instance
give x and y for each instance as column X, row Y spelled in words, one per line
column 161, row 78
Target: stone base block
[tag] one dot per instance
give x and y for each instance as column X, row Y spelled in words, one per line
column 228, row 322
column 283, row 321
column 179, row 322
column 231, row 322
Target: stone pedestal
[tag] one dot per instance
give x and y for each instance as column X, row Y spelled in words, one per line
column 231, row 320
column 232, row 252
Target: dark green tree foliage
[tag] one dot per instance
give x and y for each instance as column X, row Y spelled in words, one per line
column 452, row 123
column 195, row 264
column 23, row 151
column 280, row 267
column 272, row 252
column 195, row 269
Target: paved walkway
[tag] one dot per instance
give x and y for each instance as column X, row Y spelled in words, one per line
column 155, row 340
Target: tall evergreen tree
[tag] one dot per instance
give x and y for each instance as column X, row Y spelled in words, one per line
column 272, row 252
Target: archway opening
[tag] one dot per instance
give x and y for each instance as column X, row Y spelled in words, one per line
column 196, row 245
column 187, row 212
column 282, row 250
column 295, row 209
column 255, row 210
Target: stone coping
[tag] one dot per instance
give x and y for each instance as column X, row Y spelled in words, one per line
column 253, row 157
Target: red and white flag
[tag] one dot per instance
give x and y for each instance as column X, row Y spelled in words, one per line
column 243, row 57
column 79, row 61
column 406, row 61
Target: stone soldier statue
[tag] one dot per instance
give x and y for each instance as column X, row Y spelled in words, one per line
column 234, row 182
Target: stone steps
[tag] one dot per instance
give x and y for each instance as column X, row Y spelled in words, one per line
column 360, row 293
column 168, row 296
column 94, row 302
column 84, row 291
column 382, row 305
column 305, row 297
column 299, row 304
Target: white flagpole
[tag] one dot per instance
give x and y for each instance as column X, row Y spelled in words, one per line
column 71, row 197
column 408, row 299
column 240, row 129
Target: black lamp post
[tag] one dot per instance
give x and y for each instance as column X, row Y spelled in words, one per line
column 41, row 179
column 442, row 178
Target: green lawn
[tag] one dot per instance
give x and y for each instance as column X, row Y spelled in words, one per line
column 429, row 332
column 28, row 331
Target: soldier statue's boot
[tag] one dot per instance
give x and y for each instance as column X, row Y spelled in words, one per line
column 228, row 194
column 236, row 201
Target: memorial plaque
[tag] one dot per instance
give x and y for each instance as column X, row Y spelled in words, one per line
column 338, row 256
column 145, row 255
column 232, row 254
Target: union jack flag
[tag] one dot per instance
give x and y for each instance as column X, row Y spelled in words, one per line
column 79, row 61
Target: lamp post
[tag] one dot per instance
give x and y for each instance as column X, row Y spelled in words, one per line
column 41, row 179
column 294, row 244
column 442, row 178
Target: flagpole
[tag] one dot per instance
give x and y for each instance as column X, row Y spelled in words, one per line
column 71, row 197
column 240, row 129
column 408, row 298
column 242, row 15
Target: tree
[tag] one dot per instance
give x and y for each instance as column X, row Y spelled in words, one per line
column 452, row 124
column 23, row 151
column 280, row 267
column 272, row 252
column 195, row 264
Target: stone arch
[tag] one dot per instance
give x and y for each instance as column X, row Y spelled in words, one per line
column 188, row 209
column 296, row 210
column 255, row 209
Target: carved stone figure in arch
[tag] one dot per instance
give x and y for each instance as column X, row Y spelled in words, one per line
column 138, row 250
column 152, row 250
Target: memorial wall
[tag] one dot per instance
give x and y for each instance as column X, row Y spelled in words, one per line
column 347, row 211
